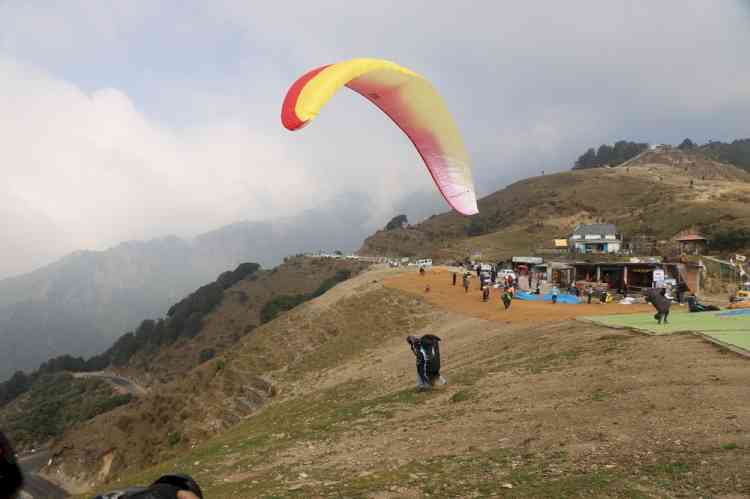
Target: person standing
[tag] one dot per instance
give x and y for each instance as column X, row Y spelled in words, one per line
column 427, row 352
column 589, row 293
column 555, row 292
column 454, row 278
column 507, row 298
column 466, row 282
column 486, row 293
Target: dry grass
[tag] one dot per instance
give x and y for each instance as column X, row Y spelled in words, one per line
column 553, row 409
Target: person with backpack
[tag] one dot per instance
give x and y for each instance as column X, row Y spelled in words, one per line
column 427, row 352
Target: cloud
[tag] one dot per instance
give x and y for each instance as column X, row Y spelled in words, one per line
column 146, row 118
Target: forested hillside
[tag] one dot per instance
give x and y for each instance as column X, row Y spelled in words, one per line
column 81, row 303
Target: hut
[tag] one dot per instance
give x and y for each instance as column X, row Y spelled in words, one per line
column 691, row 243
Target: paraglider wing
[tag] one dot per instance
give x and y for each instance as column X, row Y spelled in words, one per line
column 410, row 101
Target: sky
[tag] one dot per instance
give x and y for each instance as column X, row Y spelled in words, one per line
column 139, row 119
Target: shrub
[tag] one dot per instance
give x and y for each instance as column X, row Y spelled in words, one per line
column 206, row 355
column 174, row 438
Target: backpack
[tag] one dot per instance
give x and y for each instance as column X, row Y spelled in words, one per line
column 430, row 345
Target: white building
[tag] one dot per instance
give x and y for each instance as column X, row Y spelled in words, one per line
column 596, row 238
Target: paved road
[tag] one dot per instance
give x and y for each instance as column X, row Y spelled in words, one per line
column 37, row 487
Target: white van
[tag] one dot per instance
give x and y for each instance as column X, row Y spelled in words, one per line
column 424, row 262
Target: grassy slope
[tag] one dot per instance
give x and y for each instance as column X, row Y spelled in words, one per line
column 220, row 392
column 236, row 316
column 552, row 410
column 652, row 197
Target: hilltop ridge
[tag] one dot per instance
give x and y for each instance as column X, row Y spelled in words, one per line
column 655, row 195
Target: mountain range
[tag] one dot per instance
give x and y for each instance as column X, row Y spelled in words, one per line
column 79, row 304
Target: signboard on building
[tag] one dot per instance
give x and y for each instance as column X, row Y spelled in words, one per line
column 561, row 243
column 658, row 276
column 536, row 260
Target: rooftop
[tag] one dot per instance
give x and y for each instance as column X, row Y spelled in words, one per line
column 583, row 229
column 691, row 237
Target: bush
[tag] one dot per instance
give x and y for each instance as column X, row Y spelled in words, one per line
column 206, row 355
column 475, row 228
column 282, row 303
column 396, row 222
column 730, row 240
column 174, row 438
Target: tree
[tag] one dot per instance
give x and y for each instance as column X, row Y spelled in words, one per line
column 397, row 222
column 604, row 155
column 686, row 145
column 586, row 160
column 737, row 153
column 609, row 155
column 475, row 228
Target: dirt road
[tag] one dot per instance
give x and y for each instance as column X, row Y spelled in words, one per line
column 453, row 298
column 35, row 486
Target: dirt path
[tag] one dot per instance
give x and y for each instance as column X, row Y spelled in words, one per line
column 453, row 298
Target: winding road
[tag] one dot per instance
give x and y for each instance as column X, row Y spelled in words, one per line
column 36, row 487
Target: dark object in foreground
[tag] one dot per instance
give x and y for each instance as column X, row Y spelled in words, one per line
column 660, row 302
column 165, row 487
column 427, row 351
column 11, row 478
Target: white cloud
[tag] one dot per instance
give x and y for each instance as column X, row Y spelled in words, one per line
column 135, row 119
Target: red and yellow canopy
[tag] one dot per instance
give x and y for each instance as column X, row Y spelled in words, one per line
column 410, row 101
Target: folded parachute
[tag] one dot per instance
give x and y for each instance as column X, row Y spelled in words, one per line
column 410, row 101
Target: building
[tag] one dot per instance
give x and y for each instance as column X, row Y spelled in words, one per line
column 637, row 274
column 691, row 243
column 595, row 238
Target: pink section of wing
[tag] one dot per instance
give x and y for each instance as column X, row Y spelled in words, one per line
column 391, row 101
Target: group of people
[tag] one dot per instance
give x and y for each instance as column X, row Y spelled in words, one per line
column 488, row 278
